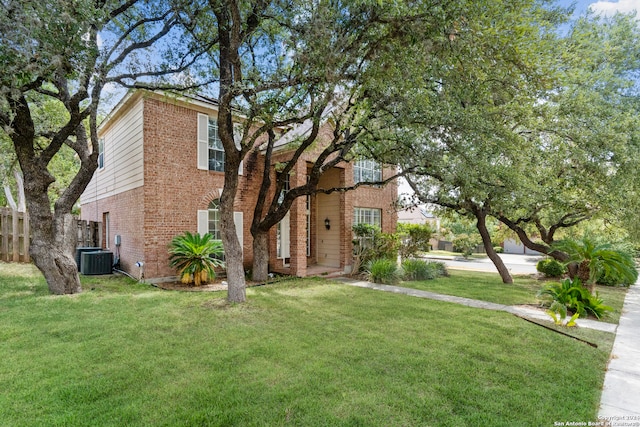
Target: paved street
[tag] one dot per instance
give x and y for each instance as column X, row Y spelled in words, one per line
column 517, row 264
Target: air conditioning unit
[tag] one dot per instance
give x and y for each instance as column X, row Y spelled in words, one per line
column 99, row 262
column 82, row 249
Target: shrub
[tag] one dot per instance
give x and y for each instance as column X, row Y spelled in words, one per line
column 612, row 279
column 550, row 267
column 195, row 257
column 498, row 249
column 465, row 243
column 414, row 238
column 594, row 260
column 417, row 269
column 576, row 298
column 384, row 271
column 369, row 243
column 440, row 268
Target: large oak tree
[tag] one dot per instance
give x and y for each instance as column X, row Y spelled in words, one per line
column 66, row 53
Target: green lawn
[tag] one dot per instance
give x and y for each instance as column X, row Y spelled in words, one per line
column 489, row 287
column 302, row 352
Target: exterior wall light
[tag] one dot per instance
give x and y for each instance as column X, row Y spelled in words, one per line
column 327, row 224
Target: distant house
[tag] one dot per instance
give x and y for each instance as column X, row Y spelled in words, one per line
column 513, row 246
column 161, row 171
column 418, row 215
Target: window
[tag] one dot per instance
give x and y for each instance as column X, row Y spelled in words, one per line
column 210, row 149
column 214, row 219
column 216, row 150
column 209, row 222
column 214, row 222
column 366, row 171
column 101, row 153
column 367, row 216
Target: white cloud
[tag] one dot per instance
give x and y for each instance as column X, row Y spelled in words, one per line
column 609, row 8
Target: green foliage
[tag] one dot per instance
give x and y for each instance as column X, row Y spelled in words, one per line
column 195, row 257
column 466, row 243
column 370, row 243
column 414, row 238
column 612, row 279
column 558, row 313
column 384, row 270
column 417, row 269
column 498, row 249
column 550, row 267
column 572, row 295
column 599, row 260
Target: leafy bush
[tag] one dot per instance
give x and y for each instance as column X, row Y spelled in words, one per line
column 594, row 260
column 498, row 249
column 195, row 257
column 612, row 279
column 572, row 295
column 417, row 269
column 370, row 243
column 384, row 271
column 465, row 243
column 440, row 268
column 550, row 267
column 414, row 238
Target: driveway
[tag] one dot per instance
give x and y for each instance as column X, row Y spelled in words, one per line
column 517, row 264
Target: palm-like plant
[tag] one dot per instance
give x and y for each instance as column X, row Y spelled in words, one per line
column 195, row 257
column 594, row 260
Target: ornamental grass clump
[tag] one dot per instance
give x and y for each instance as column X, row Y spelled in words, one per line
column 384, row 271
column 195, row 257
column 417, row 269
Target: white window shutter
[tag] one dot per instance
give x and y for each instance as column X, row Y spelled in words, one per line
column 203, row 141
column 203, row 222
column 237, row 138
column 238, row 219
column 285, row 236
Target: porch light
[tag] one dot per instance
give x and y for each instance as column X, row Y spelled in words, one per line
column 327, row 223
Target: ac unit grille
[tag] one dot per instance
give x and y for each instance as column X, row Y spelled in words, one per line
column 99, row 262
column 82, row 249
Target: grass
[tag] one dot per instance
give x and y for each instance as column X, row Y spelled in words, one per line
column 489, row 287
column 302, row 353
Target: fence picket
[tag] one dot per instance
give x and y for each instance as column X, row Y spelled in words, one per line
column 15, row 235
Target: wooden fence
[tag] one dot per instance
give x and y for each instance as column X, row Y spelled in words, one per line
column 14, row 226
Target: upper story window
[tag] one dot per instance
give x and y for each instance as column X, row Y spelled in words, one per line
column 366, row 171
column 100, row 153
column 216, row 150
column 210, row 149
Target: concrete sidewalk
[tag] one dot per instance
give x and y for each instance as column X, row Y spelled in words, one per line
column 620, row 400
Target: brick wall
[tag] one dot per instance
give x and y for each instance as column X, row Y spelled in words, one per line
column 174, row 190
column 125, row 219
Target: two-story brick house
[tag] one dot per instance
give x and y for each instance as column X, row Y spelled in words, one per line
column 160, row 173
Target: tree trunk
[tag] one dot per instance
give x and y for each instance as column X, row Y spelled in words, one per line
column 52, row 250
column 481, row 224
column 584, row 274
column 260, row 256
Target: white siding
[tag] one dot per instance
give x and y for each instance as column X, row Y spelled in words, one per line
column 123, row 157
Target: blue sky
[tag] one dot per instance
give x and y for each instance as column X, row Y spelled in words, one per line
column 607, row 7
